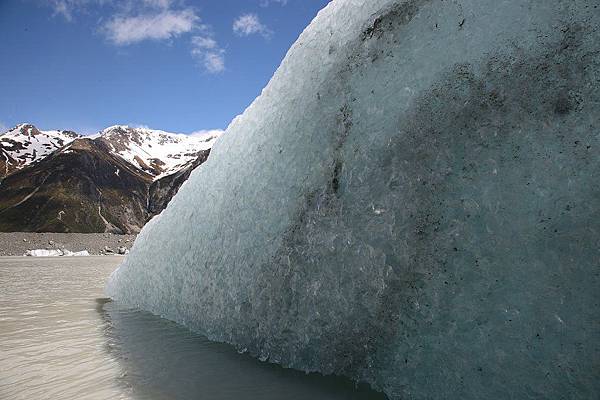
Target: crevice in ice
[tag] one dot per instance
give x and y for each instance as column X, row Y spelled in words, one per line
column 389, row 19
column 344, row 127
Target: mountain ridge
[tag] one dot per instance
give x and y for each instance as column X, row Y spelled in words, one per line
column 114, row 181
column 156, row 152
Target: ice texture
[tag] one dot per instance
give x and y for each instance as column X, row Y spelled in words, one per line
column 413, row 201
column 55, row 253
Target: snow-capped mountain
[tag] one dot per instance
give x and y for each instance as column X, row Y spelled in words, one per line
column 114, row 181
column 155, row 152
column 151, row 151
column 25, row 144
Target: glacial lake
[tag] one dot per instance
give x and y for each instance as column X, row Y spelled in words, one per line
column 61, row 339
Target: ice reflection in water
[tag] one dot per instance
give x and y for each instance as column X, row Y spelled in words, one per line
column 59, row 340
column 165, row 360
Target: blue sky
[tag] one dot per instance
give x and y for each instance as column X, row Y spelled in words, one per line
column 176, row 65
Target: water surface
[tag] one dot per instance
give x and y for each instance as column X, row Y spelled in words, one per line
column 60, row 339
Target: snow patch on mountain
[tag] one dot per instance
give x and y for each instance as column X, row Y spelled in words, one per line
column 156, row 152
column 25, row 144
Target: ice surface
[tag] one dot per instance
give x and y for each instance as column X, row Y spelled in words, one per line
column 413, row 201
column 55, row 253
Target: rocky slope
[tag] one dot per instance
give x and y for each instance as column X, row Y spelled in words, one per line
column 18, row 243
column 112, row 182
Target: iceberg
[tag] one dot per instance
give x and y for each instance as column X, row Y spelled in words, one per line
column 43, row 253
column 413, row 201
column 55, row 253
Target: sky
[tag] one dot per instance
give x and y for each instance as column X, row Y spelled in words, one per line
column 177, row 65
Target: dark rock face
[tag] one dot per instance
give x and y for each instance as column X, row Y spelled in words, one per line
column 437, row 237
column 75, row 191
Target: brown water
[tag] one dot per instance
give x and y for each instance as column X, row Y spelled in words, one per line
column 61, row 339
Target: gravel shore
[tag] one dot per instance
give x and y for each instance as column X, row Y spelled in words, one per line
column 17, row 243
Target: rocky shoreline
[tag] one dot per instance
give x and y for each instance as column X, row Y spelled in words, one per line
column 18, row 243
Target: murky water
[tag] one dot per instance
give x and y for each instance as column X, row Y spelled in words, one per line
column 60, row 339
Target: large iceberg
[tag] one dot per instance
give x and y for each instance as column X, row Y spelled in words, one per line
column 413, row 201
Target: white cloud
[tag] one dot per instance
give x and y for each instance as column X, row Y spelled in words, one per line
column 3, row 127
column 267, row 3
column 164, row 4
column 66, row 8
column 124, row 30
column 204, row 43
column 134, row 21
column 249, row 24
column 214, row 61
column 139, row 126
column 208, row 52
column 207, row 133
column 62, row 8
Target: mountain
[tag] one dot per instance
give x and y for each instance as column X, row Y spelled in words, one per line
column 25, row 144
column 155, row 152
column 115, row 181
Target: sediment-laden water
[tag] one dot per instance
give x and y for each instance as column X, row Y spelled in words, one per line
column 60, row 339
